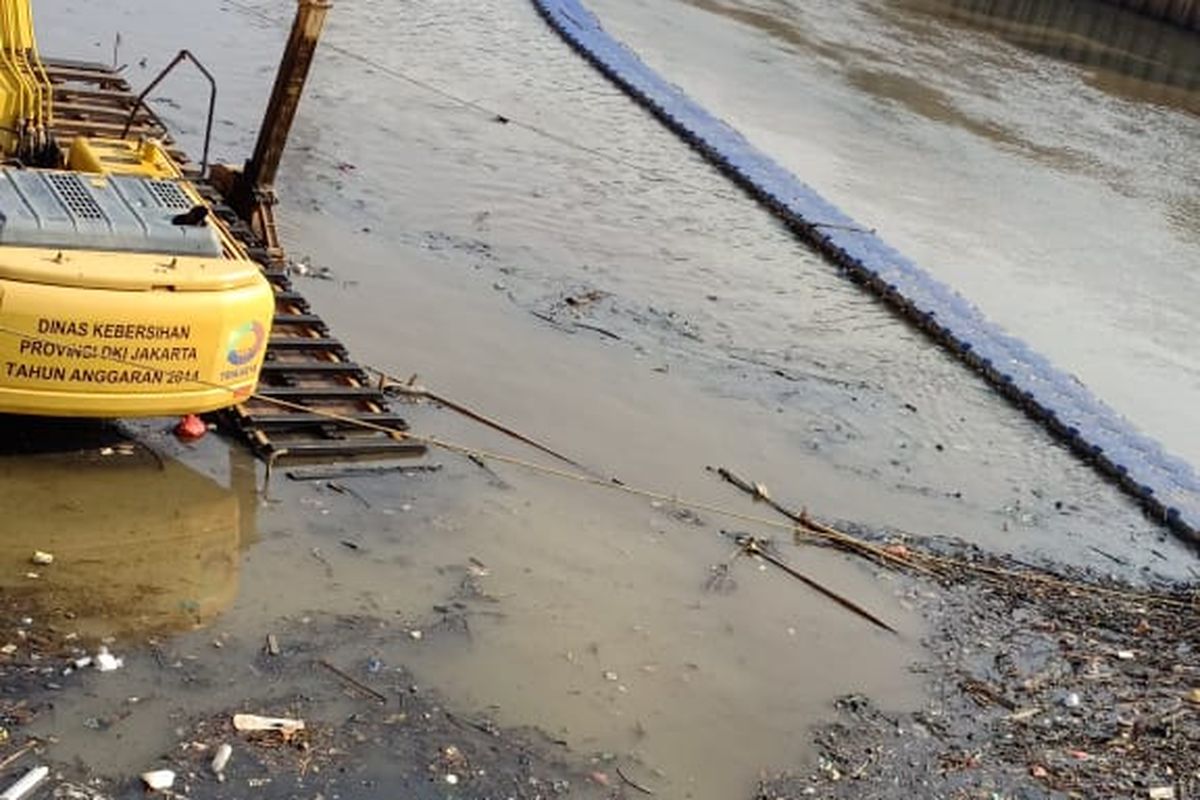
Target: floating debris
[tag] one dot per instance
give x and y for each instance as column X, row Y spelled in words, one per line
column 221, row 760
column 255, row 723
column 106, row 661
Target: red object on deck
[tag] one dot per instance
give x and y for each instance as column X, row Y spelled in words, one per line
column 191, row 428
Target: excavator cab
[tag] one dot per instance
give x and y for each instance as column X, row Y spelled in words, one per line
column 121, row 293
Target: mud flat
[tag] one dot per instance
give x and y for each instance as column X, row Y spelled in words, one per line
column 486, row 259
column 1037, row 689
column 379, row 731
column 1041, row 681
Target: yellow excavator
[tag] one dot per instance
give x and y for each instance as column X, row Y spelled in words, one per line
column 121, row 293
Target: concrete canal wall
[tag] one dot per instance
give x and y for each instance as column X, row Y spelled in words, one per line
column 1185, row 13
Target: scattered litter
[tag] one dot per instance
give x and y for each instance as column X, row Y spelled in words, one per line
column 829, row 769
column 451, row 779
column 106, row 661
column 304, row 268
column 221, row 760
column 1125, row 655
column 1194, row 696
column 75, row 791
column 8, row 649
column 28, row 782
column 190, row 428
column 254, row 723
column 1162, row 793
column 1072, row 700
column 272, row 644
column 611, row 676
column 42, row 558
column 585, row 298
column 33, row 576
column 159, row 780
column 417, row 635
column 1024, row 714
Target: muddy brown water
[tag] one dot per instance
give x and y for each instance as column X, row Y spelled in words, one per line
column 445, row 229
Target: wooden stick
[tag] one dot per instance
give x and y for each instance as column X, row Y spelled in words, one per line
column 752, row 547
column 17, row 754
column 354, row 682
column 845, row 540
column 632, row 783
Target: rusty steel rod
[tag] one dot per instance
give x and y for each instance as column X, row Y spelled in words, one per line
column 285, row 96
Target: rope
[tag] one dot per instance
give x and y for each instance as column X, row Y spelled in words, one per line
column 811, row 528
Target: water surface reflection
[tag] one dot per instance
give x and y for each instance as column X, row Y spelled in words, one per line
column 142, row 543
column 1128, row 54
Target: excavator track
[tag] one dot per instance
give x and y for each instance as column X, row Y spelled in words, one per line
column 312, row 400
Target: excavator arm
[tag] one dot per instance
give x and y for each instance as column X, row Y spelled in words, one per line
column 26, row 97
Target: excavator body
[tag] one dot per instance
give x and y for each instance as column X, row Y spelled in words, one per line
column 121, row 293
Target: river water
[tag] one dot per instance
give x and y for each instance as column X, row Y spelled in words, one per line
column 1034, row 156
column 1039, row 162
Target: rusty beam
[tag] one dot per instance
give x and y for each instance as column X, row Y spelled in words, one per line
column 285, row 97
column 251, row 193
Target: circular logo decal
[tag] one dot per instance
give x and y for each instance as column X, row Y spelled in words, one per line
column 245, row 343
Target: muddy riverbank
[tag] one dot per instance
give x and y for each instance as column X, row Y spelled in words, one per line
column 649, row 327
column 369, row 726
column 1039, row 681
column 1038, row 689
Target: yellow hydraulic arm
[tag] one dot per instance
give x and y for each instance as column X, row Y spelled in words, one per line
column 25, row 93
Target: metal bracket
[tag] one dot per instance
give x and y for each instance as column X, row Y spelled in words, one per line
column 184, row 55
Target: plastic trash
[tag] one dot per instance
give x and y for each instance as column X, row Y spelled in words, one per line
column 221, row 760
column 106, row 661
column 28, row 782
column 253, row 722
column 159, row 780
